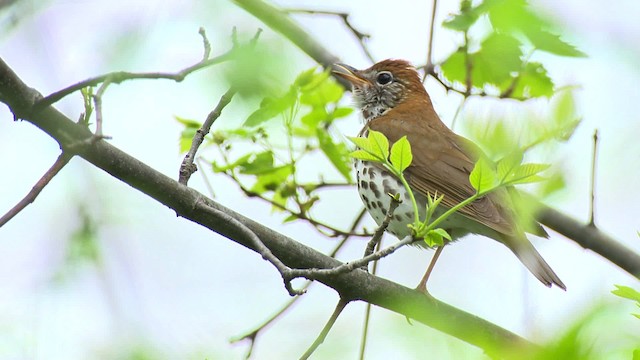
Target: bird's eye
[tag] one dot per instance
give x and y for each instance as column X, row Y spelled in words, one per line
column 384, row 78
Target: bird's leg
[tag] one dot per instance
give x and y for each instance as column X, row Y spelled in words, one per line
column 422, row 286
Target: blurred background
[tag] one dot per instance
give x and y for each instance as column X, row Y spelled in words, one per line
column 94, row 269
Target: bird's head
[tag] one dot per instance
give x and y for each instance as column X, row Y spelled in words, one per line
column 383, row 86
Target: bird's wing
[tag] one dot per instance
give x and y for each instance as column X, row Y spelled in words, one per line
column 442, row 162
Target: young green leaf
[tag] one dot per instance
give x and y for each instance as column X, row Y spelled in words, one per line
column 272, row 107
column 364, row 156
column 379, row 144
column 260, row 163
column 483, row 177
column 376, row 144
column 532, row 82
column 508, row 164
column 240, row 161
column 401, row 156
column 546, row 41
column 436, row 237
column 626, row 292
column 527, row 173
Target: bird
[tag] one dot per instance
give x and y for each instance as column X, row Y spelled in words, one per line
column 393, row 101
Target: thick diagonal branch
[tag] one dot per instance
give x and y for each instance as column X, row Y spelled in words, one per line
column 184, row 201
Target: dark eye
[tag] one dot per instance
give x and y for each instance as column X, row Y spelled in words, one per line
column 384, row 78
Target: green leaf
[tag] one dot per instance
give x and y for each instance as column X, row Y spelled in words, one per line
column 272, row 180
column 483, row 178
column 515, row 16
column 564, row 116
column 467, row 17
column 552, row 184
column 326, row 92
column 379, row 144
column 336, row 153
column 290, row 218
column 532, row 82
column 527, row 173
column 499, row 56
column 364, row 156
column 401, row 156
column 453, row 68
column 310, row 83
column 508, row 164
column 375, row 144
column 260, row 163
column 306, row 77
column 626, row 292
column 242, row 160
column 314, row 117
column 272, row 107
column 461, row 22
column 436, row 237
column 546, row 41
column 188, row 123
column 341, row 112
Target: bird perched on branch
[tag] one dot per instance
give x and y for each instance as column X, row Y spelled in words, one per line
column 394, row 102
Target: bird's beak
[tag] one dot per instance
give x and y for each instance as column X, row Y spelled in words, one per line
column 350, row 74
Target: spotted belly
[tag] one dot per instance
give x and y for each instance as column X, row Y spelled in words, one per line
column 374, row 185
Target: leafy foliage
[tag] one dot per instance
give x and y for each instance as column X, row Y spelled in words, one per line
column 263, row 155
column 500, row 61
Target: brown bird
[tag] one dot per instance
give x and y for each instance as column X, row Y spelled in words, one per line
column 394, row 102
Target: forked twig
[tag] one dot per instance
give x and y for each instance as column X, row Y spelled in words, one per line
column 253, row 334
column 285, row 271
column 118, row 77
column 187, row 168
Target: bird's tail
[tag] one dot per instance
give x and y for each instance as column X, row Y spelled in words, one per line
column 532, row 259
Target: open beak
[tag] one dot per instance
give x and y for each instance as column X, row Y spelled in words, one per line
column 350, row 74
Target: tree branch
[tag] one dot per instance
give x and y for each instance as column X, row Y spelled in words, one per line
column 358, row 285
column 588, row 238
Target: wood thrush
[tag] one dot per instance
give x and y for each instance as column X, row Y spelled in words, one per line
column 394, row 102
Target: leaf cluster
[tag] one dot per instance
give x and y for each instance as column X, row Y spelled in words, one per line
column 499, row 62
column 263, row 155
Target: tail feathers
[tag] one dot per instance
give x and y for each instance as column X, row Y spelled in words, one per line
column 532, row 259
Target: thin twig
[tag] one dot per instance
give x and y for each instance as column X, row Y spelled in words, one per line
column 285, row 271
column 121, row 76
column 205, row 178
column 187, row 168
column 458, row 111
column 97, row 100
column 318, row 225
column 593, row 180
column 367, row 312
column 60, row 162
column 342, row 303
column 429, row 66
column 468, row 65
column 252, row 335
column 377, row 235
column 362, row 37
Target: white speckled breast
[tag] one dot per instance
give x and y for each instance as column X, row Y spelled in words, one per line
column 374, row 184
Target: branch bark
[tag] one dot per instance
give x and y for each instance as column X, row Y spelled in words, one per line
column 357, row 285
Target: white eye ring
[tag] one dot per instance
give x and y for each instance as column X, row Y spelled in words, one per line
column 384, row 78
